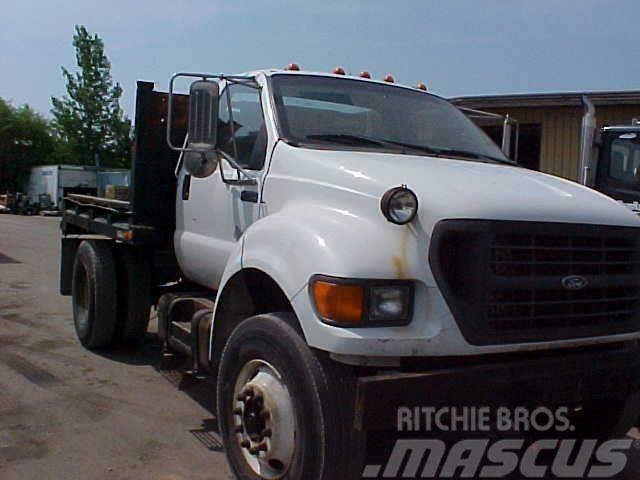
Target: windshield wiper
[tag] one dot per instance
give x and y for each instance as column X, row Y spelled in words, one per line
column 470, row 154
column 363, row 140
column 346, row 139
column 350, row 139
column 448, row 151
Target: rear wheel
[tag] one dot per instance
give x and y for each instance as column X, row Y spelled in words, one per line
column 94, row 294
column 284, row 413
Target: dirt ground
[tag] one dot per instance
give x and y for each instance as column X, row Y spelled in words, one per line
column 70, row 414
column 66, row 413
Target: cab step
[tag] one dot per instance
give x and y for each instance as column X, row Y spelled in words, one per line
column 184, row 325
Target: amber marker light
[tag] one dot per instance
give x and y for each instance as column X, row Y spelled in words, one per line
column 338, row 71
column 294, row 67
column 389, row 78
column 422, row 86
column 338, row 303
column 365, row 74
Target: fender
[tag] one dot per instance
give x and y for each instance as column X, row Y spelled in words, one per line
column 299, row 241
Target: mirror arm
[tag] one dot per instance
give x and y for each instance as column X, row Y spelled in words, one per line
column 176, row 172
column 248, row 80
column 232, row 127
column 248, row 180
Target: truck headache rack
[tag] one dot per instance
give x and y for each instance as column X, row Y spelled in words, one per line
column 149, row 215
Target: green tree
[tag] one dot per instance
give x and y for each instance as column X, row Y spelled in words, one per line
column 89, row 118
column 25, row 140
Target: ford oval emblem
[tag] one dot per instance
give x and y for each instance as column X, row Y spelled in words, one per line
column 574, row 282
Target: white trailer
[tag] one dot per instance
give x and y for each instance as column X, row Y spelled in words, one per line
column 60, row 180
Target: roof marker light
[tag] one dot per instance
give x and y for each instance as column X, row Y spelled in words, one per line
column 294, row 67
column 422, row 86
column 365, row 74
column 338, row 71
column 389, row 78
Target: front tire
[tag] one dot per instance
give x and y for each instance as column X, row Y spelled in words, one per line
column 284, row 412
column 94, row 294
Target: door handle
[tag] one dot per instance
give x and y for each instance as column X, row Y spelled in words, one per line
column 186, row 187
column 249, row 196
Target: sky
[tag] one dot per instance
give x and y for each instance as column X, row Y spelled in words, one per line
column 457, row 47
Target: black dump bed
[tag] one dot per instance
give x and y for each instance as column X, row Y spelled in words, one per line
column 149, row 215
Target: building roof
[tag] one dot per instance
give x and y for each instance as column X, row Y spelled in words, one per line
column 568, row 99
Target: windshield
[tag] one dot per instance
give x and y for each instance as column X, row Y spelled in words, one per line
column 318, row 111
column 625, row 159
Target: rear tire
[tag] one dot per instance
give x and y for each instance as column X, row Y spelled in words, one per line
column 134, row 293
column 94, row 294
column 313, row 398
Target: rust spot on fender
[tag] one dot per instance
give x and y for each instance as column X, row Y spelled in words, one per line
column 399, row 261
column 398, row 266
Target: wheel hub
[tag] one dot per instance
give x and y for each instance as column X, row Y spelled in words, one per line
column 264, row 419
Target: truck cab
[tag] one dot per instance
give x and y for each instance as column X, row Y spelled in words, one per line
column 334, row 247
column 610, row 157
column 618, row 163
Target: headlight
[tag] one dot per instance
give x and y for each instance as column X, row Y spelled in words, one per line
column 389, row 303
column 362, row 303
column 399, row 205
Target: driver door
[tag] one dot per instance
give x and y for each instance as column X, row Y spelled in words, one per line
column 212, row 213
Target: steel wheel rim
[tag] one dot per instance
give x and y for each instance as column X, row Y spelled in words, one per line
column 264, row 422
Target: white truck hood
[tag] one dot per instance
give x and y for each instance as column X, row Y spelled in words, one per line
column 452, row 188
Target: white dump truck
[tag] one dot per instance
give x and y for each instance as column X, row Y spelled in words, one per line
column 333, row 247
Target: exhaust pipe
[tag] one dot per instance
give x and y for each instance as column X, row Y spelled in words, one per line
column 586, row 172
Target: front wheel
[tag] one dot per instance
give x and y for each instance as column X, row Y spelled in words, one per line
column 284, row 412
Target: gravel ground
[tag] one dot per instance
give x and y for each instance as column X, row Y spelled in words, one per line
column 67, row 413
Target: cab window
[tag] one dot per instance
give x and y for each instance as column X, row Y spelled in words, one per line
column 249, row 126
column 625, row 158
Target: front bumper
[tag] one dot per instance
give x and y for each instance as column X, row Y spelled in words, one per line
column 543, row 379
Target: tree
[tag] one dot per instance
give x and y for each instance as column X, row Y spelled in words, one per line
column 25, row 140
column 89, row 118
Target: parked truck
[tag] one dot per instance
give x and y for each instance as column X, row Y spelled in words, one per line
column 333, row 247
column 610, row 158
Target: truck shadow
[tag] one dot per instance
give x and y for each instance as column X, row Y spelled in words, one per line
column 177, row 371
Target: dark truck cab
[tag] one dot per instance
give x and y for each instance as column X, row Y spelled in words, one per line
column 618, row 166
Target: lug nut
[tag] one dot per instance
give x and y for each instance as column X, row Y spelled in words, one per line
column 247, row 392
column 237, row 411
column 245, row 444
column 258, row 448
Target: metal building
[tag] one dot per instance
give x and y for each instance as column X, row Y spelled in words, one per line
column 550, row 123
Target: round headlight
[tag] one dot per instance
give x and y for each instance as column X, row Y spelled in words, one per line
column 399, row 205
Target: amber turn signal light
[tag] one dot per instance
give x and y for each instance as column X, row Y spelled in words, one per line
column 339, row 303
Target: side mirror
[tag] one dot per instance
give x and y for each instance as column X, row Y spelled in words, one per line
column 200, row 164
column 204, row 99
